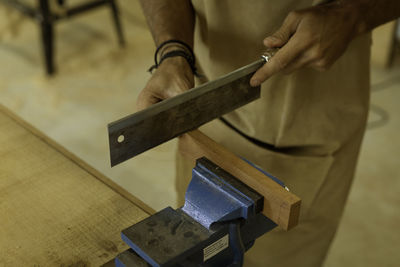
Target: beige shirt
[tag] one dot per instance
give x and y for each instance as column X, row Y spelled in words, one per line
column 319, row 116
column 317, row 110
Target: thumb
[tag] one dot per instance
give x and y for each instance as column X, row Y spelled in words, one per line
column 283, row 34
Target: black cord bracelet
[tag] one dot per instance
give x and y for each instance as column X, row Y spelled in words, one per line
column 177, row 53
column 186, row 53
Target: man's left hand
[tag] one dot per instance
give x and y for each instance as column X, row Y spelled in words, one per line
column 314, row 37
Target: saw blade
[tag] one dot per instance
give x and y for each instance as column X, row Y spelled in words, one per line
column 172, row 117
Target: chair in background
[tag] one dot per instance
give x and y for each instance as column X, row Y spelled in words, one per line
column 46, row 18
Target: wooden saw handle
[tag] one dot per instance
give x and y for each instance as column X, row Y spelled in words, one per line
column 280, row 205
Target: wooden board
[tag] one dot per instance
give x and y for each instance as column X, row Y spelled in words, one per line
column 280, row 206
column 172, row 117
column 53, row 211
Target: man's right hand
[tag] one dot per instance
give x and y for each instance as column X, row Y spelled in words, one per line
column 172, row 77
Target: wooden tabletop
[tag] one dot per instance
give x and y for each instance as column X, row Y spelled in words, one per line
column 55, row 210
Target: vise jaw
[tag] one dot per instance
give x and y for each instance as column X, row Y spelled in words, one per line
column 215, row 196
column 220, row 220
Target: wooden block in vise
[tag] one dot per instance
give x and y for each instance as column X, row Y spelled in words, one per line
column 280, row 205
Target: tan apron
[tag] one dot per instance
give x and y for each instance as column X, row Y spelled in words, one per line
column 316, row 121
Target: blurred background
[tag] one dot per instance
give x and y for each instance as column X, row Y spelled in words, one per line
column 96, row 81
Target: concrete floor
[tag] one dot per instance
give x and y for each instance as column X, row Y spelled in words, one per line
column 97, row 82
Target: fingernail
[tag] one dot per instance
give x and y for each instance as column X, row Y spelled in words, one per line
column 254, row 82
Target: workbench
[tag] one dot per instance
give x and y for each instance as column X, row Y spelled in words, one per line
column 55, row 210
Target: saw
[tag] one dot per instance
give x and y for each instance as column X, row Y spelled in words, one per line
column 175, row 116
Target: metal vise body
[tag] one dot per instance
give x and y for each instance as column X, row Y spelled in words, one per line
column 220, row 220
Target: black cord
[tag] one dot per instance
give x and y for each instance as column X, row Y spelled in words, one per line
column 181, row 53
column 171, row 42
column 251, row 139
column 186, row 53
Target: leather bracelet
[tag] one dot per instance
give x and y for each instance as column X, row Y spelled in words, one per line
column 177, row 53
column 186, row 52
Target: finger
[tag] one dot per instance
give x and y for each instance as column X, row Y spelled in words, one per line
column 303, row 60
column 283, row 34
column 145, row 100
column 286, row 55
column 320, row 65
column 172, row 91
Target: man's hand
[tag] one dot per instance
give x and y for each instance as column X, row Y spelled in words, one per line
column 168, row 20
column 172, row 77
column 314, row 37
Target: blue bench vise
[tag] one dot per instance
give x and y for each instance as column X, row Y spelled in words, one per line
column 219, row 222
